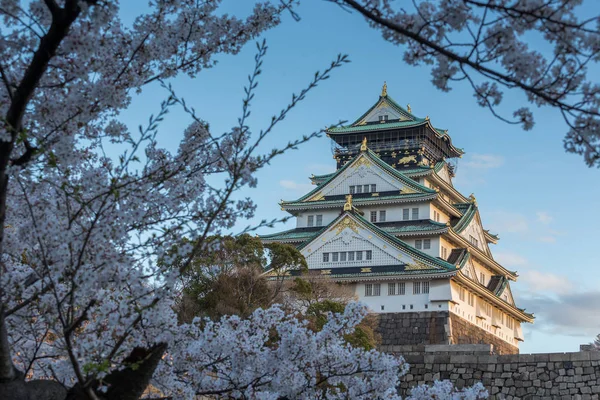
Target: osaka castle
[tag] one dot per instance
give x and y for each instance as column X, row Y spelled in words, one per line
column 390, row 224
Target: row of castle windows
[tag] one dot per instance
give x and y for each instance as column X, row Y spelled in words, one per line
column 487, row 308
column 355, row 189
column 341, row 256
column 396, row 289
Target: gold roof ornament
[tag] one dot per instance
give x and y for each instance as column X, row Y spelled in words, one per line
column 384, row 89
column 348, row 205
column 427, row 118
column 472, row 199
column 363, row 146
column 408, row 108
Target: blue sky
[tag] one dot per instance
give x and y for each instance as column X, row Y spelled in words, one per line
column 541, row 201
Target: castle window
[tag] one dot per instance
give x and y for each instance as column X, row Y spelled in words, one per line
column 425, row 287
column 368, row 289
column 436, row 216
column 352, row 189
column 358, row 189
column 444, row 253
column 401, row 288
column 404, row 306
column 319, row 220
column 405, row 214
column 391, row 289
column 369, row 255
column 418, row 244
column 377, row 289
column 311, row 220
column 334, row 257
column 383, row 118
column 461, row 294
column 426, row 306
column 350, row 256
column 366, row 188
column 474, row 241
column 482, row 278
column 359, row 256
column 427, row 243
column 471, row 299
column 416, row 287
column 382, row 308
column 415, row 213
column 325, row 257
column 509, row 322
column 342, row 256
column 373, row 216
column 373, row 188
column 382, row 216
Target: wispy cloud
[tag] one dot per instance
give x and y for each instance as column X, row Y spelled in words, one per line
column 292, row 185
column 547, row 239
column 546, row 282
column 483, row 161
column 544, row 217
column 574, row 313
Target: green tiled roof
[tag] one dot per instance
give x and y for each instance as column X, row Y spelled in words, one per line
column 424, row 225
column 360, row 201
column 468, row 211
column 303, row 234
column 293, row 235
column 375, row 127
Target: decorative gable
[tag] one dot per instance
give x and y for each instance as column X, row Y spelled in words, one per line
column 445, row 174
column 383, row 111
column 351, row 234
column 474, row 230
column 507, row 295
column 362, row 171
column 469, row 271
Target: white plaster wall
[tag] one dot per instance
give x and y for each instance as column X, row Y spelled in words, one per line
column 481, row 268
column 328, row 217
column 476, row 315
column 398, row 303
column 435, row 245
column 443, row 216
column 440, row 290
column 394, row 212
column 444, row 243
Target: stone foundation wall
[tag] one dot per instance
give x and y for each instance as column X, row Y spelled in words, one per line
column 463, row 332
column 435, row 327
column 516, row 376
column 413, row 328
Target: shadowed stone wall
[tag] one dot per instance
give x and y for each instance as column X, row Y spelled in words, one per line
column 435, row 327
column 514, row 376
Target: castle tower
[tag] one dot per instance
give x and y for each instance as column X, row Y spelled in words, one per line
column 390, row 224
